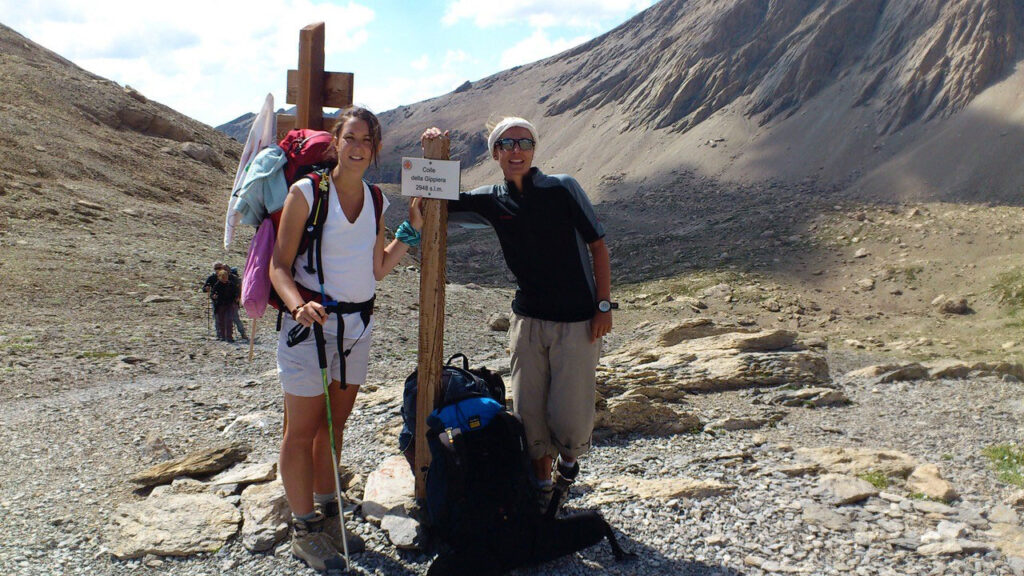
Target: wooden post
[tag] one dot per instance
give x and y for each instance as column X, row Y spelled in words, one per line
column 434, row 245
column 309, row 110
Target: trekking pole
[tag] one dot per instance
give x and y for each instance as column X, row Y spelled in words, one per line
column 252, row 336
column 321, row 353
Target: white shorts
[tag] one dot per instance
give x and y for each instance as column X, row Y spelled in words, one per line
column 299, row 368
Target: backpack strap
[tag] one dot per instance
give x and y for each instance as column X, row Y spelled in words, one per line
column 314, row 229
column 378, row 204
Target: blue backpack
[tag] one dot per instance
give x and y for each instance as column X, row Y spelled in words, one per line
column 457, row 383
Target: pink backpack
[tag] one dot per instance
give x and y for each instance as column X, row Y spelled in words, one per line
column 256, row 278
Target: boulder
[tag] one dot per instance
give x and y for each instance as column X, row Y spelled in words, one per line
column 402, row 530
column 1003, row 514
column 673, row 488
column 498, row 322
column 638, row 413
column 724, row 362
column 927, row 480
column 249, row 422
column 200, row 152
column 856, row 461
column 955, row 306
column 265, row 516
column 251, row 474
column 392, row 485
column 948, row 368
column 841, row 489
column 173, row 525
column 688, row 330
column 1016, row 499
column 823, row 516
column 1008, row 538
column 885, row 373
column 202, row 463
column 815, row 397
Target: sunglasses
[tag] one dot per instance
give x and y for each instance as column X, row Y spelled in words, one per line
column 510, row 143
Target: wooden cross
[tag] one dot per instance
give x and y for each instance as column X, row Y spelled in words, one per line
column 310, row 88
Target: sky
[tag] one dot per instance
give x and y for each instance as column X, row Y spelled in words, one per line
column 215, row 60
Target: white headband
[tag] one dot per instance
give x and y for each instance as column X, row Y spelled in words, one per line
column 505, row 124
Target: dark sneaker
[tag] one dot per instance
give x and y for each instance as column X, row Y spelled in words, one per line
column 332, row 529
column 312, row 546
column 564, row 477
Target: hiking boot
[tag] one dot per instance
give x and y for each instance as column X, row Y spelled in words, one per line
column 332, row 529
column 313, row 547
column 564, row 477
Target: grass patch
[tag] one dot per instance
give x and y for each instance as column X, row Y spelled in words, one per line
column 1009, row 290
column 877, row 479
column 694, row 284
column 95, row 354
column 910, row 275
column 1008, row 462
column 19, row 343
column 923, row 496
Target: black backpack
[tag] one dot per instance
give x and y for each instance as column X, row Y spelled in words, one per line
column 456, row 383
column 479, row 488
column 482, row 501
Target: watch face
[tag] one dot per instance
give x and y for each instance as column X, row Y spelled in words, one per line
column 604, row 306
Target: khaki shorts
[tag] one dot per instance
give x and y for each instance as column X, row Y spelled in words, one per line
column 554, row 368
column 299, row 368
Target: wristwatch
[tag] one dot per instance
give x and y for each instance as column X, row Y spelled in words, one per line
column 606, row 306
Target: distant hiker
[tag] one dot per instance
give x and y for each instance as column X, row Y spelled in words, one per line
column 562, row 307
column 353, row 257
column 212, row 278
column 235, row 318
column 224, row 295
column 207, row 286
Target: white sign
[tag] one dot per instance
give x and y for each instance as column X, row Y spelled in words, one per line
column 430, row 178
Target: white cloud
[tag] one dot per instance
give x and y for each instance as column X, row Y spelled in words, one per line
column 541, row 13
column 210, row 60
column 536, row 47
column 429, row 82
column 453, row 58
column 420, row 63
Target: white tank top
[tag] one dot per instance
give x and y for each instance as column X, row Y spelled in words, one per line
column 347, row 253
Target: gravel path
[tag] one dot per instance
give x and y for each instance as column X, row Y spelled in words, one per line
column 65, row 456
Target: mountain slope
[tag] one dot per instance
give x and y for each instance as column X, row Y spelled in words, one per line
column 107, row 133
column 831, row 90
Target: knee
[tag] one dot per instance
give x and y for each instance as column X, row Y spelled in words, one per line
column 300, row 435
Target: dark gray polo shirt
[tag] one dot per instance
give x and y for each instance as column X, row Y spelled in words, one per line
column 544, row 231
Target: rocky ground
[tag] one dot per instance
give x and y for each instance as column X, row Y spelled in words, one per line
column 131, row 376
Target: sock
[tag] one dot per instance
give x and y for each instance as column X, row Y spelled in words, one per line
column 323, row 498
column 544, row 483
column 305, row 517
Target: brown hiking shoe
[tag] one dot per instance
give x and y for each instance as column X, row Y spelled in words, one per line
column 564, row 477
column 313, row 547
column 332, row 529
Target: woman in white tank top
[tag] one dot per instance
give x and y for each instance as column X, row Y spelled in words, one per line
column 354, row 256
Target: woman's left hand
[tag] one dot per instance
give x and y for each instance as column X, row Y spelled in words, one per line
column 416, row 213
